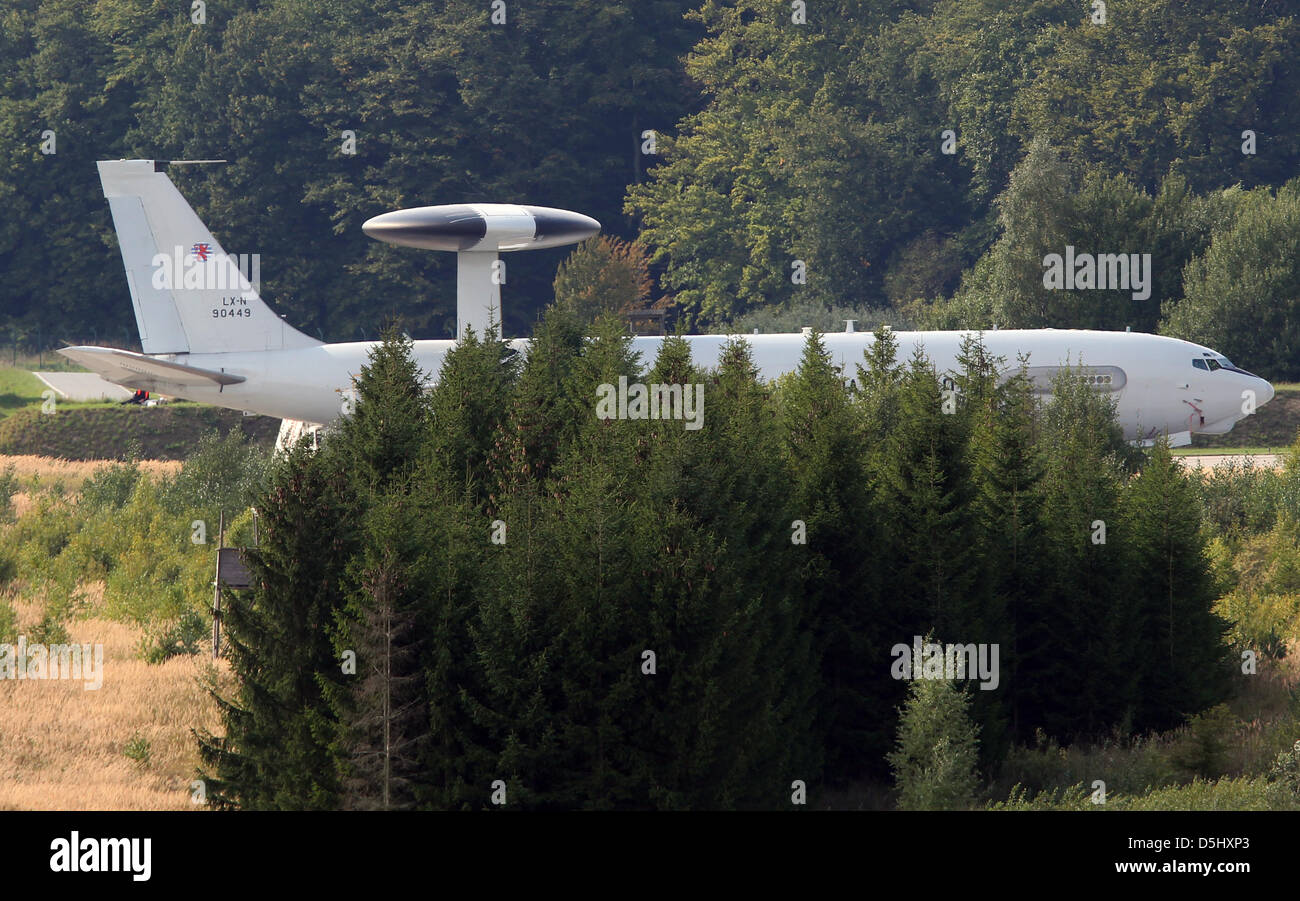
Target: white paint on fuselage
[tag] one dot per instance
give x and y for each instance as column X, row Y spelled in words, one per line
column 1163, row 393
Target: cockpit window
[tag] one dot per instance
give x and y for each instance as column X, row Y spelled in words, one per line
column 1200, row 364
column 1214, row 364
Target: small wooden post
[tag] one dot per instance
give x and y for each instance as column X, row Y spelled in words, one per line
column 216, row 590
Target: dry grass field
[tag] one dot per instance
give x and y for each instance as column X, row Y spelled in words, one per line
column 72, row 472
column 69, row 473
column 124, row 746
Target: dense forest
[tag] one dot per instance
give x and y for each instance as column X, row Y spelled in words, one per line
column 913, row 160
column 486, row 583
column 482, row 584
column 478, row 594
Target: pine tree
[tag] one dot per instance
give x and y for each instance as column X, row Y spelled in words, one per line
column 383, row 711
column 925, row 491
column 387, row 416
column 468, row 407
column 1077, row 641
column 1007, row 472
column 554, row 600
column 543, row 412
column 938, row 748
column 736, row 483
column 826, row 456
column 1182, row 648
column 277, row 752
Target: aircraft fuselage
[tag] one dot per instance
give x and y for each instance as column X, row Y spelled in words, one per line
column 1157, row 387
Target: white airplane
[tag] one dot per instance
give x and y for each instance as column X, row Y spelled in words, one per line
column 208, row 337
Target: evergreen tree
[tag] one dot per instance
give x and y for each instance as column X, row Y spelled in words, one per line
column 1006, row 471
column 1182, row 648
column 938, row 748
column 389, row 622
column 387, row 415
column 1077, row 641
column 543, row 413
column 467, row 408
column 826, row 457
column 277, row 751
column 737, row 484
column 925, row 487
column 383, row 711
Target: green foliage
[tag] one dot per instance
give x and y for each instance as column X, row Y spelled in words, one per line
column 138, row 749
column 548, row 109
column 8, row 488
column 382, row 714
column 1263, row 623
column 36, row 543
column 277, row 748
column 1240, row 497
column 50, row 630
column 773, row 144
column 1203, row 750
column 1051, row 203
column 386, row 426
column 135, row 534
column 8, row 567
column 467, row 407
column 8, row 622
column 825, row 454
column 938, row 748
column 1185, row 661
column 153, row 573
column 1242, row 793
column 1128, row 766
column 1162, row 88
column 100, row 431
column 502, row 577
column 1284, row 779
column 1074, row 797
column 1070, row 685
column 602, row 275
column 221, row 475
column 110, row 487
column 1241, row 294
column 179, row 637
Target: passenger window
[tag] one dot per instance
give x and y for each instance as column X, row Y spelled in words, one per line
column 1200, row 364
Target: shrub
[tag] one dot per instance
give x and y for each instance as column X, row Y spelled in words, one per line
column 938, row 748
column 137, row 749
column 1242, row 793
column 110, row 487
column 181, row 636
column 8, row 488
column 1284, row 779
column 1265, row 623
column 222, row 475
column 1203, row 751
column 8, row 623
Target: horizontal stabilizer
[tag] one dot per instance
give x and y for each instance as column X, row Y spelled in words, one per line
column 133, row 370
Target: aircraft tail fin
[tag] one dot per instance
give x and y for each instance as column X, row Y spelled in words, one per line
column 189, row 295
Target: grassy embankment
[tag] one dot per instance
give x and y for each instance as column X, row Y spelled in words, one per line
column 106, row 430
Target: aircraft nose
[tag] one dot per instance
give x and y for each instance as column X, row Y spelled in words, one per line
column 1264, row 393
